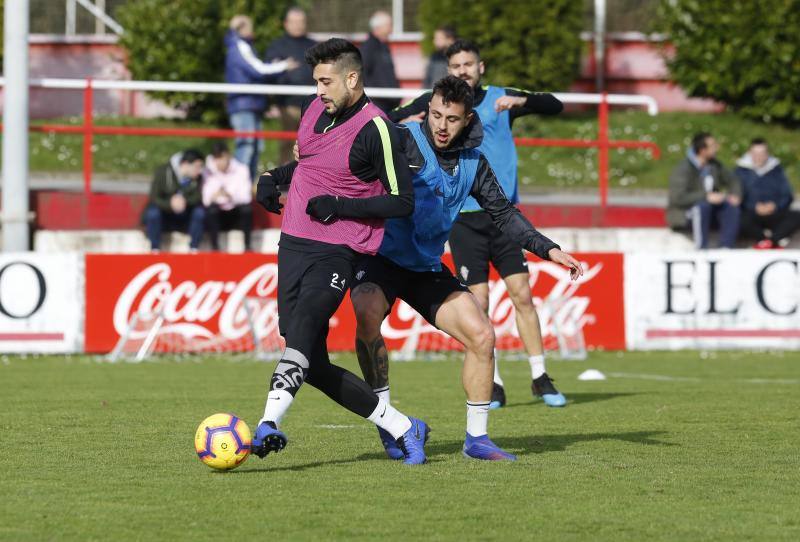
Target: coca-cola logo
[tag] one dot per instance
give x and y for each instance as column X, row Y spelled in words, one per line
column 204, row 310
column 560, row 309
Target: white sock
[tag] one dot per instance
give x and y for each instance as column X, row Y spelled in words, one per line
column 383, row 393
column 477, row 418
column 497, row 379
column 537, row 366
column 389, row 418
column 278, row 402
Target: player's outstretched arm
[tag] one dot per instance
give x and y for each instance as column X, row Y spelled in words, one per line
column 487, row 191
column 522, row 102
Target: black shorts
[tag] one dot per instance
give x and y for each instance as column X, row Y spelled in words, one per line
column 424, row 291
column 312, row 278
column 475, row 241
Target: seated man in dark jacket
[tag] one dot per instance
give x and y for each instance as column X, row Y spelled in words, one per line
column 175, row 199
column 767, row 196
column 703, row 193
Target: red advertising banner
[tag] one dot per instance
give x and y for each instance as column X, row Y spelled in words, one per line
column 200, row 297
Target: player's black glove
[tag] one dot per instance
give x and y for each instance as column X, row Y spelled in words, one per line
column 267, row 194
column 323, row 208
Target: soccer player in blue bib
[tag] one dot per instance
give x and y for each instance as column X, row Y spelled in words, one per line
column 448, row 168
column 476, row 241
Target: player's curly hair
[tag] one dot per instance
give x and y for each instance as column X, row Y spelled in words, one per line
column 454, row 90
column 335, row 51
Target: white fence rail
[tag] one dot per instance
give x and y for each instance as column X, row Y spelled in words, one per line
column 579, row 98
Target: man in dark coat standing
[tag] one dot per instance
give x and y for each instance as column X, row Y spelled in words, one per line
column 377, row 58
column 293, row 44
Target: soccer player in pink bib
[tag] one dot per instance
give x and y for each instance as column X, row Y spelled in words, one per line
column 351, row 175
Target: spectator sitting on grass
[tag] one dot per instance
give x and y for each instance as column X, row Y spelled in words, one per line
column 175, row 203
column 227, row 193
column 767, row 196
column 702, row 194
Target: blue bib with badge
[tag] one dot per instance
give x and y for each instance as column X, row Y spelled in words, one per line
column 417, row 242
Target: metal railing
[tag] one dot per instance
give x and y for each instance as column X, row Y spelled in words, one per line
column 89, row 129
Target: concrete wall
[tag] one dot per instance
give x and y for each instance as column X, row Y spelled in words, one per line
column 135, row 242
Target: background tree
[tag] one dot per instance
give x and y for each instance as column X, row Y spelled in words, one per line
column 745, row 54
column 527, row 43
column 182, row 40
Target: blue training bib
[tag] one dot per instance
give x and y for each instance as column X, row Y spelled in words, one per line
column 417, row 242
column 497, row 146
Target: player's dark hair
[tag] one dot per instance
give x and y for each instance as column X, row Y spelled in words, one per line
column 460, row 46
column 192, row 155
column 454, row 90
column 335, row 51
column 700, row 141
column 758, row 141
column 448, row 31
column 219, row 148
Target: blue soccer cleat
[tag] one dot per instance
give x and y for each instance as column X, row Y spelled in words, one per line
column 498, row 397
column 483, row 448
column 390, row 445
column 268, row 439
column 412, row 443
column 543, row 387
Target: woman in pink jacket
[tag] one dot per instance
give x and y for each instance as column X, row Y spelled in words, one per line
column 227, row 194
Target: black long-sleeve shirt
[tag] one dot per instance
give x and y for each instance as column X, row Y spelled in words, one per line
column 373, row 157
column 485, row 189
column 541, row 103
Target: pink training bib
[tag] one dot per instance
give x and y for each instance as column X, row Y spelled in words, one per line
column 324, row 169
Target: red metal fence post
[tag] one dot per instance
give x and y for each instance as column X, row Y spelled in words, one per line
column 88, row 128
column 602, row 154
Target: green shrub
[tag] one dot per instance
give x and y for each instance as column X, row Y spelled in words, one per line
column 525, row 43
column 182, row 40
column 745, row 54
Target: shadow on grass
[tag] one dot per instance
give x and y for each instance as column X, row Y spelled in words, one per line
column 539, row 444
column 575, row 398
column 519, row 445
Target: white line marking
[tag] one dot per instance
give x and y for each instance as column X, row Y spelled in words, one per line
column 665, row 378
column 333, row 426
column 770, row 380
column 655, row 377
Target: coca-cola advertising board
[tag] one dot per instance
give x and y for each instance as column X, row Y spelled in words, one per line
column 201, row 295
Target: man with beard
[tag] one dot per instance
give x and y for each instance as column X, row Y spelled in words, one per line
column 448, row 168
column 349, row 178
column 475, row 240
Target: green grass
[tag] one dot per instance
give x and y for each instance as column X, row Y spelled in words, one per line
column 94, row 451
column 577, row 168
column 122, row 155
column 563, row 168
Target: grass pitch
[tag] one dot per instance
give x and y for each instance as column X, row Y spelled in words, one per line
column 674, row 446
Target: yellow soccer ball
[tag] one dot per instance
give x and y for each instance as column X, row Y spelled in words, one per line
column 223, row 441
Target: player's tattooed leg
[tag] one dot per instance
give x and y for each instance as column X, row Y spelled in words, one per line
column 374, row 361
